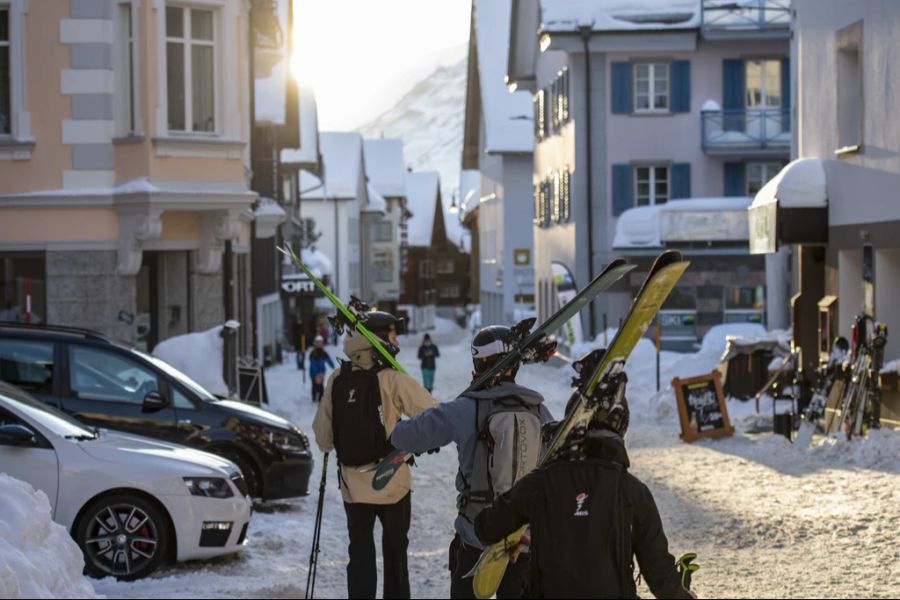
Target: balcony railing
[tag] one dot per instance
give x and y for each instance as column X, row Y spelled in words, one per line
column 746, row 18
column 747, row 131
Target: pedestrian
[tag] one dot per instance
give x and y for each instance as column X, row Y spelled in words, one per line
column 428, row 352
column 318, row 358
column 363, row 401
column 588, row 518
column 497, row 431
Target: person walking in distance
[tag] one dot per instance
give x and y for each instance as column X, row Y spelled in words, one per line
column 497, row 431
column 318, row 358
column 428, row 352
column 363, row 401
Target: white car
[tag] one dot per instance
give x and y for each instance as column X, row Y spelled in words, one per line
column 131, row 503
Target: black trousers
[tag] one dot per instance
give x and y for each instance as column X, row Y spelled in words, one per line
column 362, row 577
column 463, row 557
column 318, row 390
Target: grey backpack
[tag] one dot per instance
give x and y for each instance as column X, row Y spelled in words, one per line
column 508, row 448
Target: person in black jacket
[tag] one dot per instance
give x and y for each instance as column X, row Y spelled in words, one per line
column 588, row 518
column 428, row 352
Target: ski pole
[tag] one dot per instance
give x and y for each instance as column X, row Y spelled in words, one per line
column 314, row 553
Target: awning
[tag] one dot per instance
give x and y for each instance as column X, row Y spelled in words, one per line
column 792, row 208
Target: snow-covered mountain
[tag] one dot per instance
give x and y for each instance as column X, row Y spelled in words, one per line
column 429, row 119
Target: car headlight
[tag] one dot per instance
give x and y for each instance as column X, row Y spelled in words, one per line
column 287, row 442
column 209, row 487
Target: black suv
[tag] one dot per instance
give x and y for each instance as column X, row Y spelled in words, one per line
column 105, row 384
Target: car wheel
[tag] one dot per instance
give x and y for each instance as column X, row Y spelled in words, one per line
column 123, row 536
column 254, row 489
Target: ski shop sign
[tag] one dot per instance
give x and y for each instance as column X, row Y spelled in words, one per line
column 701, row 407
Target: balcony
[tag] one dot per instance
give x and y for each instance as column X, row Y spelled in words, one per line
column 746, row 19
column 746, row 132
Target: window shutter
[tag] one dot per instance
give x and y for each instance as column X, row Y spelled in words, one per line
column 733, row 92
column 681, row 180
column 681, row 86
column 622, row 189
column 786, row 93
column 735, row 179
column 621, row 88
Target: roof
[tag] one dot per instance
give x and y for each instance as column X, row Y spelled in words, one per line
column 308, row 152
column 376, row 202
column 693, row 219
column 385, row 166
column 508, row 116
column 800, row 184
column 422, row 188
column 341, row 164
column 620, row 15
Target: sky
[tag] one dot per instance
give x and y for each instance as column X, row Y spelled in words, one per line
column 361, row 56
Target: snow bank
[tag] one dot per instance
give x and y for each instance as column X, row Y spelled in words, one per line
column 38, row 558
column 891, row 367
column 880, row 447
column 199, row 356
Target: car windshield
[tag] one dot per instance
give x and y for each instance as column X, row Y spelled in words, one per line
column 183, row 379
column 58, row 422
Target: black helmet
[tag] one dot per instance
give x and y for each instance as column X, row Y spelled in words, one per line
column 382, row 324
column 490, row 345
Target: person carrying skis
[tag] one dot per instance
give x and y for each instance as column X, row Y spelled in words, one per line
column 428, row 352
column 362, row 403
column 588, row 517
column 318, row 358
column 497, row 431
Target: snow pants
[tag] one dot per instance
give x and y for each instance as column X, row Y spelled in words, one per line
column 362, row 576
column 318, row 390
column 428, row 379
column 463, row 557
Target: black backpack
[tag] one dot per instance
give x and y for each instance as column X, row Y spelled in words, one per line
column 357, row 420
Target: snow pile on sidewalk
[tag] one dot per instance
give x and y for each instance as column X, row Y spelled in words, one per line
column 38, row 559
column 197, row 355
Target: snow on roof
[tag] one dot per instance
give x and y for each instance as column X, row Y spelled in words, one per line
column 385, row 166
column 421, row 192
column 620, row 15
column 341, row 156
column 272, row 66
column 269, row 208
column 469, row 190
column 318, row 263
column 650, row 226
column 376, row 202
column 308, row 152
column 508, row 115
column 800, row 184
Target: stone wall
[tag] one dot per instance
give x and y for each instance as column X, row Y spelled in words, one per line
column 207, row 300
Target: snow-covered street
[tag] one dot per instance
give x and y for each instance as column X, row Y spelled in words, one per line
column 766, row 519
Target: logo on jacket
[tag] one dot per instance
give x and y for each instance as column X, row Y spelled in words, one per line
column 579, row 508
column 351, row 399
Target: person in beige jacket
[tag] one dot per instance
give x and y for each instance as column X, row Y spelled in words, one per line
column 400, row 394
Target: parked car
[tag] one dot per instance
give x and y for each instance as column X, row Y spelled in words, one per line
column 131, row 503
column 105, row 384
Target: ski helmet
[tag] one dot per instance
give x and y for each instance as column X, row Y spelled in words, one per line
column 382, row 324
column 490, row 345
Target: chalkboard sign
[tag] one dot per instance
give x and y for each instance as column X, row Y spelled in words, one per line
column 701, row 407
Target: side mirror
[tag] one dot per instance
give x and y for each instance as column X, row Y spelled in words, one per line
column 16, row 435
column 154, row 402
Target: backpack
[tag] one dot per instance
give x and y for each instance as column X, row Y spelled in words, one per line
column 508, row 447
column 357, row 420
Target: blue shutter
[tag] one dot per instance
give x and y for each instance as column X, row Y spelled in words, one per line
column 681, row 86
column 735, row 179
column 621, row 87
column 681, row 181
column 622, row 189
column 733, row 92
column 786, row 93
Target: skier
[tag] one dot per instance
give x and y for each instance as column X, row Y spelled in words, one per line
column 497, row 431
column 428, row 352
column 588, row 517
column 362, row 403
column 318, row 358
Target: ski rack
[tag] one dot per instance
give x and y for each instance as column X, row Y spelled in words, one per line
column 357, row 307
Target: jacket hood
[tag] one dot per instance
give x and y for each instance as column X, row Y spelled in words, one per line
column 506, row 389
column 608, row 446
column 359, row 349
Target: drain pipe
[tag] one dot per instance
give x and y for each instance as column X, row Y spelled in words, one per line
column 585, row 32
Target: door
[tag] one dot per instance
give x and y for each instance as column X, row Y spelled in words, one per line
column 106, row 388
column 764, row 99
column 35, row 464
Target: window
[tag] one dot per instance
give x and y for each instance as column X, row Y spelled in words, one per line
column 849, row 82
column 125, row 72
column 565, row 200
column 538, row 204
column 651, row 185
column 744, row 304
column 559, row 109
column 23, row 294
column 384, row 231
column 27, row 364
column 449, row 291
column 651, row 87
column 181, row 401
column 190, row 65
column 97, row 374
column 758, row 174
column 445, row 266
column 383, row 264
column 5, row 75
column 540, row 114
column 426, row 268
column 763, row 84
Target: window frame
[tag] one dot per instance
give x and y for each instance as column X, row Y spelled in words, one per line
column 72, row 392
column 652, row 198
column 651, row 87
column 127, row 115
column 764, row 82
column 188, row 42
column 19, row 116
